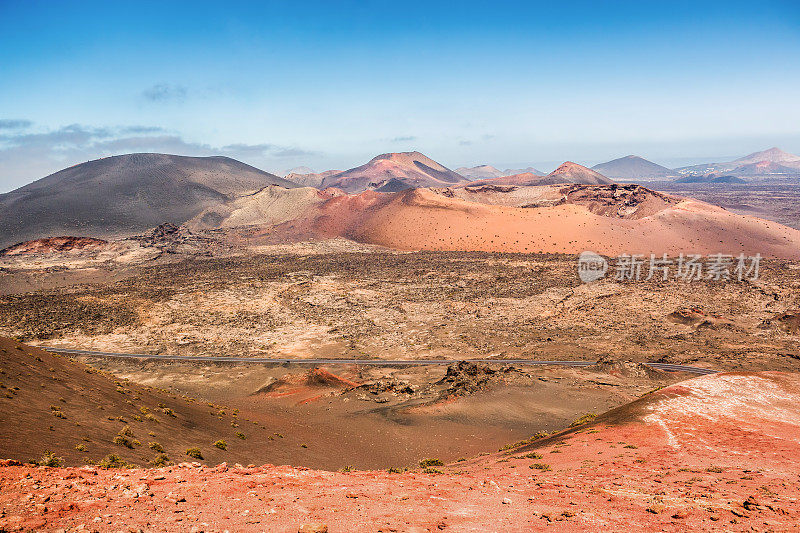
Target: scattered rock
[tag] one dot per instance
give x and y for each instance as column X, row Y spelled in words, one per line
column 788, row 321
column 313, row 528
column 632, row 369
column 751, row 504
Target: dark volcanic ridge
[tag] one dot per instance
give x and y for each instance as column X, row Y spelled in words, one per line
column 125, row 195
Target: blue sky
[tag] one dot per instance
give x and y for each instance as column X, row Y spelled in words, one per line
column 331, row 84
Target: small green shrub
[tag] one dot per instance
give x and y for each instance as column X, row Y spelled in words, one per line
column 241, row 435
column 194, row 453
column 81, row 447
column 123, row 441
column 537, row 436
column 160, row 460
column 544, row 467
column 532, row 455
column 430, row 462
column 585, row 419
column 432, row 471
column 112, row 461
column 50, row 459
column 221, row 444
column 156, row 447
column 125, row 438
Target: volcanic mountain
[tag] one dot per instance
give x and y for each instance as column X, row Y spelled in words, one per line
column 394, row 172
column 528, row 170
column 767, row 168
column 298, row 170
column 632, row 167
column 480, row 172
column 311, row 179
column 773, row 155
column 570, row 172
column 125, row 195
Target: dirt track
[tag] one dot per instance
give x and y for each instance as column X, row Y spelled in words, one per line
column 409, row 306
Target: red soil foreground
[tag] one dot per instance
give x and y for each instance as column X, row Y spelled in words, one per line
column 713, row 453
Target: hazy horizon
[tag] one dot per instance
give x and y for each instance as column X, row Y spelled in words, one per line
column 331, row 86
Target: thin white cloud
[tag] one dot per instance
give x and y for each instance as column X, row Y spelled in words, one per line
column 14, row 124
column 165, row 92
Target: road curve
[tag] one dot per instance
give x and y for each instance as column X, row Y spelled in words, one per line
column 377, row 362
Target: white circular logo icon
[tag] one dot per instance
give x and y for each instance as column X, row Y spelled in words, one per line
column 591, row 266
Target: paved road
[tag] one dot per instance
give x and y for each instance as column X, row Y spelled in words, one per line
column 378, row 362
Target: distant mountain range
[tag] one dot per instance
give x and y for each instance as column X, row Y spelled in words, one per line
column 568, row 172
column 129, row 194
column 773, row 161
column 399, row 171
column 487, row 172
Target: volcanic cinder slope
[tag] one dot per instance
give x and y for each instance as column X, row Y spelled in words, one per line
column 124, row 195
column 49, row 403
column 632, row 167
column 715, row 453
column 394, row 172
column 610, row 219
column 271, row 205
